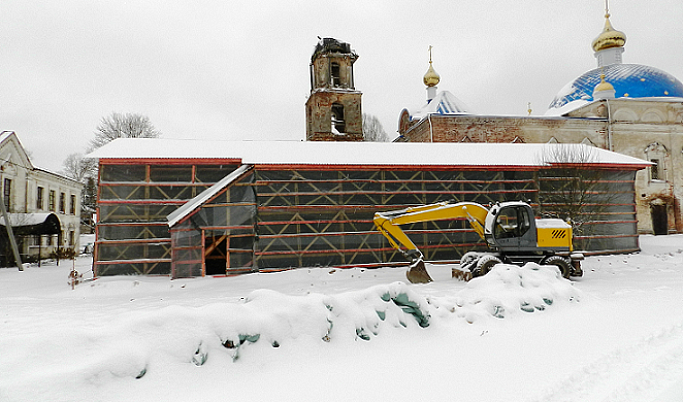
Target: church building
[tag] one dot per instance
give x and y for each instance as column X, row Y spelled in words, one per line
column 632, row 109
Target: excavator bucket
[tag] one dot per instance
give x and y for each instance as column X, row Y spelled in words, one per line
column 418, row 272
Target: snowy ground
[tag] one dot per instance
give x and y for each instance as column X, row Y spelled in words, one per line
column 517, row 334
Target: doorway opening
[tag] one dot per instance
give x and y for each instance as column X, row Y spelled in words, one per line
column 216, row 254
column 660, row 224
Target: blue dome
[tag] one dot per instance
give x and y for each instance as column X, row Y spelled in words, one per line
column 629, row 80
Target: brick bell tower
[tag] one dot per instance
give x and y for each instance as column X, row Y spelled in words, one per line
column 333, row 109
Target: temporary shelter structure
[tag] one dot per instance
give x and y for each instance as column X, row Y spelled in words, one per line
column 193, row 208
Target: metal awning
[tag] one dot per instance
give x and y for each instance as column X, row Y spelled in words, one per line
column 27, row 224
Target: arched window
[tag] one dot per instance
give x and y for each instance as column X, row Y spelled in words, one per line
column 657, row 154
column 335, row 77
column 338, row 125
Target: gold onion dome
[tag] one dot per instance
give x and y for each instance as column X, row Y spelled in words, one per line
column 431, row 78
column 609, row 37
column 603, row 85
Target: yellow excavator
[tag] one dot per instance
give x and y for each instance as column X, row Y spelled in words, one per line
column 510, row 230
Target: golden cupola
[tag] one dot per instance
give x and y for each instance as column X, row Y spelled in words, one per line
column 609, row 37
column 603, row 85
column 609, row 45
column 431, row 79
column 604, row 90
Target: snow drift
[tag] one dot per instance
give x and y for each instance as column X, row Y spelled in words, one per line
column 360, row 334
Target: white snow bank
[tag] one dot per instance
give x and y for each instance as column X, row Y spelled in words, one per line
column 508, row 290
column 139, row 344
column 352, row 334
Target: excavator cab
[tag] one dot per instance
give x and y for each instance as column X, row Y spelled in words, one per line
column 510, row 226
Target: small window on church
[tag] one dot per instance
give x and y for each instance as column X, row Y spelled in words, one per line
column 657, row 154
column 334, row 74
column 338, row 125
column 654, row 169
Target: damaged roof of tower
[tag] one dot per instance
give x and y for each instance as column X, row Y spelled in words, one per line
column 331, row 45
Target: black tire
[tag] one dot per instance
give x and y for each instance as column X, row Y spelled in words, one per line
column 469, row 259
column 484, row 265
column 562, row 263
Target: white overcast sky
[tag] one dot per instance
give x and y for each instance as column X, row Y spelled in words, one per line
column 239, row 70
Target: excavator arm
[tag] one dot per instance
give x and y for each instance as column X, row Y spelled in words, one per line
column 388, row 223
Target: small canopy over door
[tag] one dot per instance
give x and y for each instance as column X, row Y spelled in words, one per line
column 33, row 224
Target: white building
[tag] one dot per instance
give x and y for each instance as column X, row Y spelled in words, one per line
column 43, row 207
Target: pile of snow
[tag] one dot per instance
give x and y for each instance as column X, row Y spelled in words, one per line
column 360, row 334
column 508, row 290
column 141, row 343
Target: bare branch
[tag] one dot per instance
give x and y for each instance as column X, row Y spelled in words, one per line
column 119, row 125
column 572, row 188
column 78, row 168
column 373, row 130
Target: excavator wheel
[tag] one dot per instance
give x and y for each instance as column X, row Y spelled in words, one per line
column 418, row 273
column 469, row 259
column 485, row 264
column 562, row 263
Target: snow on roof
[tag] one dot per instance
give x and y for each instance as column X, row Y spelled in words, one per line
column 443, row 103
column 631, row 81
column 26, row 219
column 350, row 153
column 5, row 135
column 566, row 108
column 579, row 103
column 177, row 215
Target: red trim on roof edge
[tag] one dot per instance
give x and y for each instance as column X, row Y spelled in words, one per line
column 602, row 166
column 300, row 166
column 392, row 167
column 171, row 161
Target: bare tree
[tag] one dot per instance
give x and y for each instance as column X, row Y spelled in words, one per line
column 78, row 168
column 373, row 130
column 83, row 170
column 573, row 189
column 88, row 204
column 119, row 125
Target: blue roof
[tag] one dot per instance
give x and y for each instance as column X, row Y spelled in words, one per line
column 443, row 103
column 628, row 80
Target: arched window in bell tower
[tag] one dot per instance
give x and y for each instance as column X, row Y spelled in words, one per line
column 335, row 76
column 338, row 124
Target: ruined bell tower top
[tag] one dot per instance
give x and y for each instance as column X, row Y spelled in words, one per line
column 331, row 45
column 332, row 65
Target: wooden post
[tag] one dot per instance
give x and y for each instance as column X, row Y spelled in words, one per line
column 10, row 234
